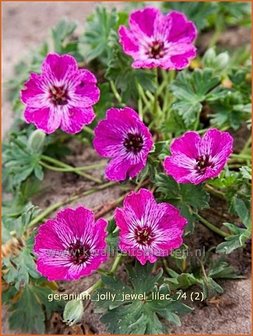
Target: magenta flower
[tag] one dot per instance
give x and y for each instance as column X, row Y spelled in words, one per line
column 124, row 138
column 194, row 159
column 156, row 40
column 70, row 246
column 148, row 230
column 61, row 96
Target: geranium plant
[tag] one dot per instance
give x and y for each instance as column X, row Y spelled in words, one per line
column 161, row 116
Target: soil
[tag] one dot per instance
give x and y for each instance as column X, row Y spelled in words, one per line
column 25, row 26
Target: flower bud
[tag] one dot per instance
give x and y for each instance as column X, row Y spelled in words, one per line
column 36, row 141
column 73, row 312
column 222, row 60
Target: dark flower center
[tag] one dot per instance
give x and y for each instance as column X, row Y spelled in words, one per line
column 133, row 143
column 156, row 49
column 203, row 162
column 79, row 252
column 143, row 235
column 58, row 95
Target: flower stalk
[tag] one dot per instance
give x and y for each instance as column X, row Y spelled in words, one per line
column 68, row 200
column 99, row 283
column 60, row 166
column 211, row 226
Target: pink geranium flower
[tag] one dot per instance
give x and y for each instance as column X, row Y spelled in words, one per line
column 61, row 96
column 70, row 246
column 194, row 159
column 148, row 230
column 156, row 40
column 124, row 138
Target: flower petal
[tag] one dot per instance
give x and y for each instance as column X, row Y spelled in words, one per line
column 33, row 88
column 216, row 142
column 127, row 40
column 117, row 169
column 59, row 65
column 181, row 30
column 74, row 119
column 85, row 95
column 45, row 118
column 142, row 21
column 182, row 56
column 187, row 144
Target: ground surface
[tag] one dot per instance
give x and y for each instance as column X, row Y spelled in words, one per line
column 25, row 25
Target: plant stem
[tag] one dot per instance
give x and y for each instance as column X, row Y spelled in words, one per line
column 165, row 265
column 88, row 130
column 247, row 145
column 241, row 156
column 67, row 167
column 92, row 288
column 72, row 169
column 140, row 108
column 155, row 108
column 216, row 35
column 115, row 264
column 115, row 92
column 215, row 192
column 203, row 270
column 55, row 161
column 68, row 200
column 211, row 226
column 142, row 94
column 99, row 282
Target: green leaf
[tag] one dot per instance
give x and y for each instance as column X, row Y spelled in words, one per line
column 234, row 242
column 191, row 90
column 246, row 172
column 230, row 110
column 211, row 287
column 112, row 236
column 20, row 160
column 187, row 197
column 30, row 319
column 225, row 180
column 28, row 313
column 20, row 269
column 18, row 218
column 220, row 269
column 99, row 28
column 141, row 278
column 61, row 34
column 241, row 210
column 239, row 234
column 181, row 281
column 141, row 311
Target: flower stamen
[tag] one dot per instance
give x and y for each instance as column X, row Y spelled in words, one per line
column 133, row 143
column 156, row 49
column 79, row 252
column 203, row 162
column 58, row 95
column 143, row 235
